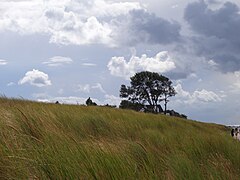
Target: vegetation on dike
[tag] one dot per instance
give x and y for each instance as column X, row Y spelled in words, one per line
column 52, row 141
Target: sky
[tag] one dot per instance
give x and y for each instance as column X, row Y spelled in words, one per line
column 70, row 50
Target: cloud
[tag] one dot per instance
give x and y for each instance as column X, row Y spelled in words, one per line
column 234, row 82
column 92, row 22
column 218, row 23
column 10, row 84
column 89, row 64
column 99, row 87
column 212, row 2
column 206, row 96
column 89, row 31
column 3, row 62
column 64, row 100
column 112, row 100
column 103, row 8
column 87, row 88
column 84, row 88
column 175, row 6
column 108, row 99
column 67, row 100
column 24, row 17
column 60, row 91
column 161, row 63
column 139, row 26
column 36, row 78
column 58, row 61
column 212, row 63
column 198, row 96
column 67, row 22
column 217, row 33
column 150, row 28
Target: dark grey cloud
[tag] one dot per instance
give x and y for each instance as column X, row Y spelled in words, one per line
column 158, row 30
column 212, row 2
column 140, row 26
column 228, row 62
column 218, row 33
column 223, row 23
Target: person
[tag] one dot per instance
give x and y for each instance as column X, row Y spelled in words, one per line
column 235, row 133
column 232, row 132
column 238, row 136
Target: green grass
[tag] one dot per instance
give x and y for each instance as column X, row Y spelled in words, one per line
column 48, row 141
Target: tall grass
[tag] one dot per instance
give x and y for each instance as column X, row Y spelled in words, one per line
column 48, row 141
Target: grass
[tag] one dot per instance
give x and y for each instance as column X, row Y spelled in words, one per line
column 49, row 141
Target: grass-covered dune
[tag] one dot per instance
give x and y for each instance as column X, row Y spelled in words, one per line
column 50, row 141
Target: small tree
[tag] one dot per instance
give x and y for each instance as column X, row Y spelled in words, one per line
column 148, row 89
column 167, row 92
column 89, row 102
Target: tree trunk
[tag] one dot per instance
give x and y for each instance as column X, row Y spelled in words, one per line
column 165, row 104
column 165, row 107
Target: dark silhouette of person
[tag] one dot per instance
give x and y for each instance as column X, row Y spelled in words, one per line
column 232, row 132
column 236, row 132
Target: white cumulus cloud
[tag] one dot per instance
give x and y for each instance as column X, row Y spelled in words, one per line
column 35, row 78
column 161, row 63
column 88, row 22
column 197, row 96
column 77, row 31
column 112, row 100
column 113, row 9
column 67, row 22
column 206, row 96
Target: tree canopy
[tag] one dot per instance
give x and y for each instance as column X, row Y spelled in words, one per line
column 148, row 89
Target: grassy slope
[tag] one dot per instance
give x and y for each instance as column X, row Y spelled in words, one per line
column 47, row 141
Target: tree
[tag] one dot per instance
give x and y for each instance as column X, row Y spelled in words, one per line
column 148, row 89
column 168, row 91
column 89, row 102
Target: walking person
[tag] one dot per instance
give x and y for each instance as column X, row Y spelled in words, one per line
column 238, row 135
column 235, row 133
column 232, row 132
